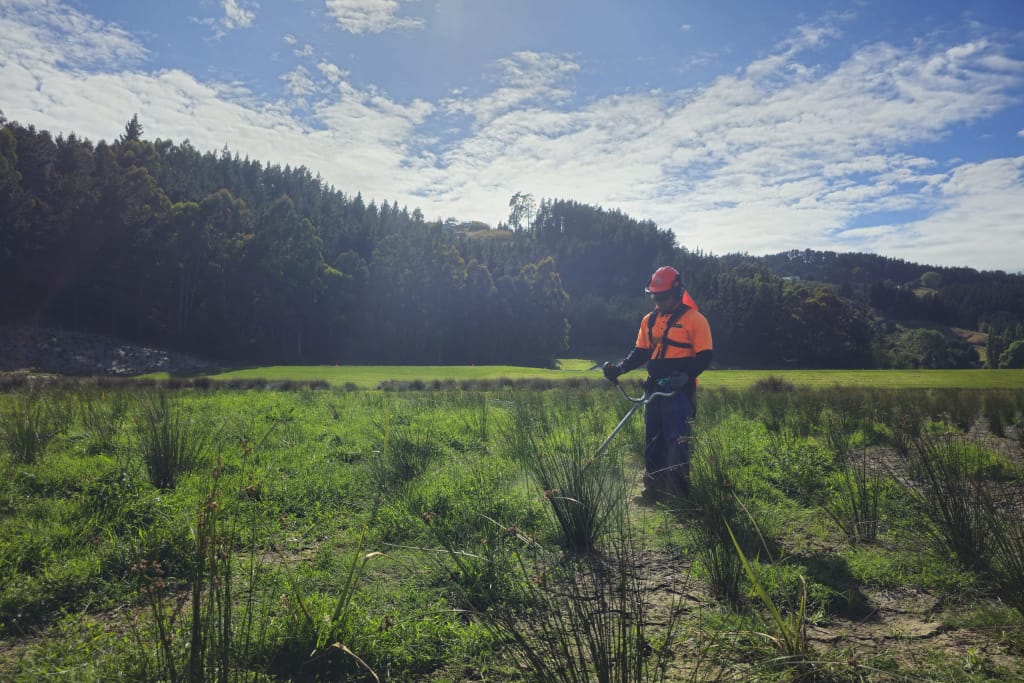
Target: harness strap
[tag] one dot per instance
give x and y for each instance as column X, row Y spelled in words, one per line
column 665, row 341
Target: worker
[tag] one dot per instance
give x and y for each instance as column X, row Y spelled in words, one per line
column 675, row 343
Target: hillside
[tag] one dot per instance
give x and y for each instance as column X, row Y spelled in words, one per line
column 216, row 256
column 980, row 310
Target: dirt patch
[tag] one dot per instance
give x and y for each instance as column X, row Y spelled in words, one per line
column 79, row 353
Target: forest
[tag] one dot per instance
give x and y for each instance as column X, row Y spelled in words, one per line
column 157, row 242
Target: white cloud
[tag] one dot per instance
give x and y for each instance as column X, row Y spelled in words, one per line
column 332, row 72
column 526, row 78
column 305, row 51
column 781, row 154
column 979, row 222
column 298, row 83
column 78, row 39
column 236, row 16
column 774, row 158
column 370, row 16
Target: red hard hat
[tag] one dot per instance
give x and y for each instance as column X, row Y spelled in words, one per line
column 665, row 279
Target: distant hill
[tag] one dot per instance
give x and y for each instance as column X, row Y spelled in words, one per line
column 165, row 247
column 985, row 309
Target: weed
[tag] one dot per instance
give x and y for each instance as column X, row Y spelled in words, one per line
column 787, row 634
column 954, row 496
column 404, row 453
column 585, row 491
column 800, row 467
column 27, row 425
column 101, row 415
column 171, row 441
column 773, row 384
column 587, row 617
column 856, row 495
column 713, row 500
column 1005, row 522
column 330, row 631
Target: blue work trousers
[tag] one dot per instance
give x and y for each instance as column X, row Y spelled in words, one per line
column 668, row 422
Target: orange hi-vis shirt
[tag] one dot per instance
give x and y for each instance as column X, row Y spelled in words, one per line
column 688, row 335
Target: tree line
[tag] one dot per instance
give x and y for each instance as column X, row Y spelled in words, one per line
column 222, row 256
column 226, row 257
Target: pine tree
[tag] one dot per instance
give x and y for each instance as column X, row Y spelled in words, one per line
column 132, row 130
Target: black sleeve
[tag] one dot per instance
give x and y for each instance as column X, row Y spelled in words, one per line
column 635, row 359
column 698, row 364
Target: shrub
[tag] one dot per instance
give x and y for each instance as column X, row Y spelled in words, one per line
column 101, row 414
column 1013, row 356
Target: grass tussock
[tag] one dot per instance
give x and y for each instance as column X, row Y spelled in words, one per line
column 28, row 423
column 171, row 440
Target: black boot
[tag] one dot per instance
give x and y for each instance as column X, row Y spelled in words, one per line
column 651, row 493
column 679, row 474
column 682, row 481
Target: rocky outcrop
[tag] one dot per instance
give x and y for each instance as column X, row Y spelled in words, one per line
column 78, row 353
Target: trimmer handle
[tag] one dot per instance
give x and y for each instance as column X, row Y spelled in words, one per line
column 646, row 398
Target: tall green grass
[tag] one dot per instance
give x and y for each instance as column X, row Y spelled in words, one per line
column 253, row 565
column 557, row 447
column 27, row 425
column 954, row 492
column 171, row 441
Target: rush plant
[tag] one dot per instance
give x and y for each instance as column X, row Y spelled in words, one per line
column 585, row 491
column 955, row 495
column 172, row 441
column 27, row 426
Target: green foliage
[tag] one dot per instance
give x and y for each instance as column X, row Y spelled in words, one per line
column 246, row 261
column 1013, row 356
column 405, row 452
column 931, row 349
column 714, row 502
column 245, row 566
column 787, row 634
column 799, row 467
column 27, row 424
column 559, row 452
column 953, row 490
column 100, row 415
column 583, row 617
column 931, row 279
column 331, row 628
column 855, row 501
column 171, row 441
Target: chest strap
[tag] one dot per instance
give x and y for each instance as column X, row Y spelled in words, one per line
column 665, row 341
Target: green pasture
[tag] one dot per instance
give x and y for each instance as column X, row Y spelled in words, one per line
column 371, row 376
column 831, row 534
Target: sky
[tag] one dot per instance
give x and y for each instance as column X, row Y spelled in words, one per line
column 887, row 126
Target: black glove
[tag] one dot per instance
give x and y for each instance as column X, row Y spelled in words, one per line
column 611, row 371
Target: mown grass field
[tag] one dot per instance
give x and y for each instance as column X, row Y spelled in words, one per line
column 372, row 376
column 836, row 533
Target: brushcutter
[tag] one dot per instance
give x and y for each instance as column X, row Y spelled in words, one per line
column 637, row 403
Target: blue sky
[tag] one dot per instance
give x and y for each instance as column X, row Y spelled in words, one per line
column 893, row 127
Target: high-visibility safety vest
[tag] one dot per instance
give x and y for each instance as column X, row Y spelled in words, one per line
column 681, row 333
